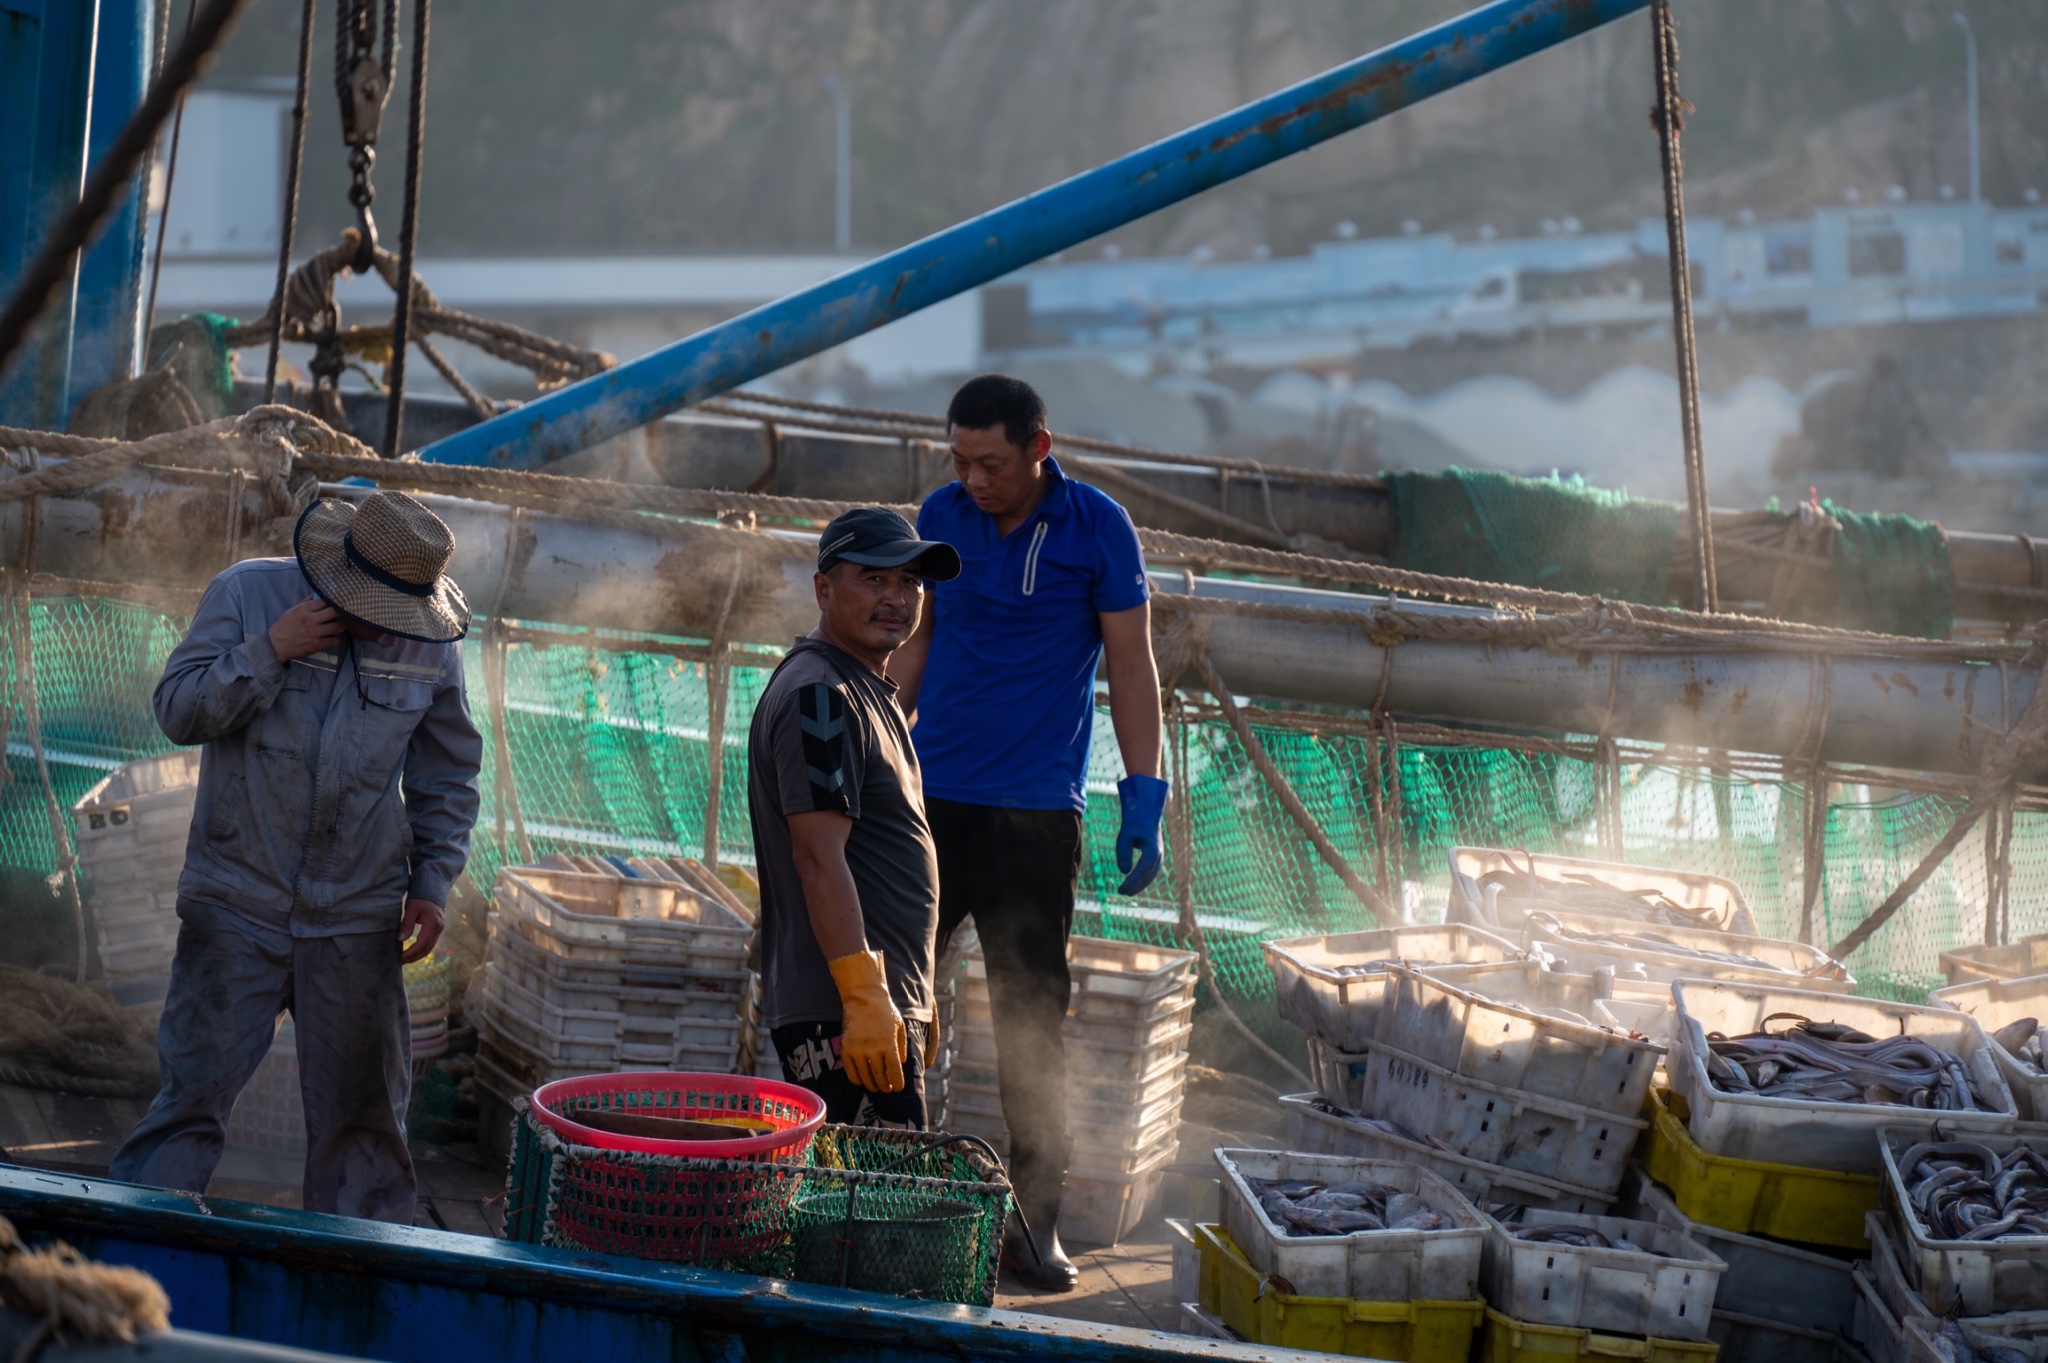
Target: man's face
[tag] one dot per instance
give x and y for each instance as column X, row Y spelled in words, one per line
column 875, row 609
column 1000, row 477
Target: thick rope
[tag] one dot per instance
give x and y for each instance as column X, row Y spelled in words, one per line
column 72, row 1295
column 1668, row 118
column 294, row 173
column 408, row 234
column 1582, row 624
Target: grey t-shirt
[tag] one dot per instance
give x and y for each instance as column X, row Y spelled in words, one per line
column 828, row 734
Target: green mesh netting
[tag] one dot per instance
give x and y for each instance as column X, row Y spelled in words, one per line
column 609, row 753
column 1562, row 535
column 195, row 349
column 1893, row 574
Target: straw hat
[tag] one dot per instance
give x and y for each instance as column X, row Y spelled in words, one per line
column 382, row 563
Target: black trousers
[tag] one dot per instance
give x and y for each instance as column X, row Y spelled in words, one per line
column 1014, row 872
column 809, row 1052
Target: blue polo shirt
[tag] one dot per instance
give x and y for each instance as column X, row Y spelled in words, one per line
column 1008, row 698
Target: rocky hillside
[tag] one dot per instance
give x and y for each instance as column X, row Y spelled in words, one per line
column 704, row 124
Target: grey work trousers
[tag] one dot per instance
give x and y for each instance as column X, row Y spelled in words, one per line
column 230, row 979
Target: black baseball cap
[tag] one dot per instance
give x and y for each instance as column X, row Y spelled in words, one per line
column 876, row 537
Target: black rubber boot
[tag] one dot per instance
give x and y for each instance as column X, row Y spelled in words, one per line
column 1048, row 1268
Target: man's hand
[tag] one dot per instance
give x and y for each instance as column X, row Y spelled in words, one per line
column 424, row 917
column 1137, row 841
column 306, row 628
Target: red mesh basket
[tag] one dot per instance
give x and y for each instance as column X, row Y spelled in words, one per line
column 795, row 1113
column 697, row 1202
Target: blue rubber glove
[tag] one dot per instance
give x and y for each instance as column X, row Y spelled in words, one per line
column 1144, row 802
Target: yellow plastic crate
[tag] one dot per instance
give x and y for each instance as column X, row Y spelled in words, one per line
column 1512, row 1341
column 1750, row 1197
column 1403, row 1331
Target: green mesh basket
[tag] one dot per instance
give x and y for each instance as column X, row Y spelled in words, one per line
column 881, row 1210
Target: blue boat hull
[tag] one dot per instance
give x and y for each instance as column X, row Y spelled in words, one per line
column 407, row 1295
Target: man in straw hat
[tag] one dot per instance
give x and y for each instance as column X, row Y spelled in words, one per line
column 336, row 793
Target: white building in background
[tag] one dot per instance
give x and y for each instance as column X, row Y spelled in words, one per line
column 1846, row 266
column 229, row 192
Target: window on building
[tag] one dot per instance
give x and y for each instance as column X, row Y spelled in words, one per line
column 1877, row 253
column 1788, row 252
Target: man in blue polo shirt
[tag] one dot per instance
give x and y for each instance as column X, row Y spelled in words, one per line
column 1001, row 680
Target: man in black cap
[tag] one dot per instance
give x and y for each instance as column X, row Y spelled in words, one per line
column 849, row 875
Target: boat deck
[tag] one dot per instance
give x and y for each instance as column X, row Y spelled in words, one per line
column 1128, row 1284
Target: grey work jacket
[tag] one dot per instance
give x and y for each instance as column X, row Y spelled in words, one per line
column 300, row 821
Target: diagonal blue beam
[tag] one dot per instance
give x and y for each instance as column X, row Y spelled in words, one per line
column 966, row 256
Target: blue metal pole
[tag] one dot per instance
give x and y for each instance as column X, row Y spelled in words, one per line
column 104, row 343
column 1053, row 219
column 49, row 123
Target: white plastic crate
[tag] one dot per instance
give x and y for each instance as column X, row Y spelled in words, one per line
column 1134, row 1117
column 269, row 1116
column 1315, row 1132
column 1753, row 1339
column 598, row 918
column 1977, row 1277
column 1120, row 1095
column 1818, row 1135
column 1792, row 965
column 1187, row 1260
column 147, row 800
column 1900, row 1294
column 1115, row 1148
column 563, row 977
column 1664, row 1289
column 1143, row 1026
column 1112, row 981
column 1389, row 1265
column 609, row 1041
column 131, row 830
column 1319, row 986
column 645, row 992
column 509, row 1070
column 1101, row 1207
column 2014, row 961
column 1506, row 1025
column 146, row 949
column 1088, row 1063
column 1767, row 1279
column 1875, row 1328
column 1511, row 1127
column 1720, row 902
column 1919, row 1337
column 1994, row 1003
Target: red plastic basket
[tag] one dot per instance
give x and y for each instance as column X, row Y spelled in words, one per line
column 795, row 1113
column 703, row 1202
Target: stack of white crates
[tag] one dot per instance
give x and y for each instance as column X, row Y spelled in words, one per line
column 593, row 974
column 131, row 831
column 1126, row 1036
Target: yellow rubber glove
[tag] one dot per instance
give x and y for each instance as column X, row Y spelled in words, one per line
column 872, row 1043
